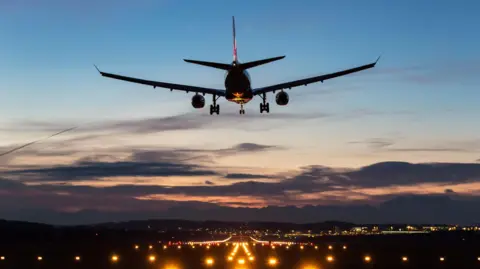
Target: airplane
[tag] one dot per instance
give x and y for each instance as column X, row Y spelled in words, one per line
column 238, row 87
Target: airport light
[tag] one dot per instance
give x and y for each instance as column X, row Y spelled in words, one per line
column 251, row 258
column 136, row 247
column 272, row 261
column 330, row 258
column 208, row 247
column 179, row 247
column 367, row 258
column 330, row 247
column 2, row 258
column 209, row 261
column 39, row 258
column 344, row 247
column 150, row 246
column 151, row 258
column 478, row 259
column 316, row 247
column 287, row 247
column 241, row 261
column 165, row 247
column 77, row 258
column 442, row 259
column 301, row 247
column 273, row 247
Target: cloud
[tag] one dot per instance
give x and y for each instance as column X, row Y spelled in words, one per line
column 391, row 145
column 247, row 176
column 375, row 143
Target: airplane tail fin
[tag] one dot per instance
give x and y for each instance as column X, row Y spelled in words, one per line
column 234, row 40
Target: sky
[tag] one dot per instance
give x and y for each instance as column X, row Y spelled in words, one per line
column 148, row 150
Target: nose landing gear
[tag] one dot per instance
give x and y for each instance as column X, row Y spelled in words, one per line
column 242, row 111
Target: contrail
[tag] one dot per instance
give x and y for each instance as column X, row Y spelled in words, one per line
column 28, row 144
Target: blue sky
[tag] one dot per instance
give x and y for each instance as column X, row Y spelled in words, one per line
column 419, row 104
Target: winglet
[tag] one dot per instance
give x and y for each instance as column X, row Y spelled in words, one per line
column 378, row 58
column 97, row 69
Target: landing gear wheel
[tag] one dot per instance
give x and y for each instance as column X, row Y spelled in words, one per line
column 242, row 111
column 265, row 107
column 214, row 108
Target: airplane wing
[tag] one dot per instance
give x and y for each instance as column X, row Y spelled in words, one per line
column 306, row 81
column 170, row 86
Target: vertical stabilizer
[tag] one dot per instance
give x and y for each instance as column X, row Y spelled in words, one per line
column 234, row 40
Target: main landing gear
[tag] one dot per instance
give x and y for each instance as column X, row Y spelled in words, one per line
column 242, row 111
column 264, row 106
column 214, row 108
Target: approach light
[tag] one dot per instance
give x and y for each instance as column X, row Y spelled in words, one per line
column 114, row 258
column 137, row 247
column 151, row 258
column 150, row 246
column 316, row 247
column 344, row 247
column 405, row 258
column 2, row 258
column 230, row 258
column 241, row 261
column 251, row 258
column 330, row 258
column 442, row 259
column 179, row 247
column 367, row 258
column 330, row 247
column 77, row 258
column 39, row 258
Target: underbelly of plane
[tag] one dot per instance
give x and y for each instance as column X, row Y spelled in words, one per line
column 239, row 96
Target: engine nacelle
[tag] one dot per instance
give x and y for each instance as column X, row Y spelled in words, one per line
column 282, row 98
column 198, row 101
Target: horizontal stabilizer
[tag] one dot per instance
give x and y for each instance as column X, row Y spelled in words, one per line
column 260, row 62
column 210, row 64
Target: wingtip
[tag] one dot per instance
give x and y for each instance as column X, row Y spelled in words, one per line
column 376, row 61
column 96, row 67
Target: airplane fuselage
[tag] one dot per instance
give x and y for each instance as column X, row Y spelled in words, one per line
column 238, row 87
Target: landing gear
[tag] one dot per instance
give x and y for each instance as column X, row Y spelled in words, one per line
column 214, row 108
column 264, row 106
column 242, row 111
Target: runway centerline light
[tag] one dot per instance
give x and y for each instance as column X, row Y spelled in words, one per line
column 405, row 258
column 2, row 258
column 442, row 259
column 251, row 258
column 330, row 247
column 367, row 258
column 39, row 258
column 344, row 247
column 77, row 258
column 241, row 261
column 151, row 258
column 137, row 246
column 330, row 258
column 272, row 261
column 114, row 258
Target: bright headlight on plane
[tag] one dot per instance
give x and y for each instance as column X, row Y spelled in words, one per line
column 209, row 261
column 272, row 261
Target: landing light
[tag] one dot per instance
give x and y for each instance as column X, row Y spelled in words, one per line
column 209, row 261
column 272, row 261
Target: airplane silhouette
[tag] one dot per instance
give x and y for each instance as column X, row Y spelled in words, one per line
column 238, row 87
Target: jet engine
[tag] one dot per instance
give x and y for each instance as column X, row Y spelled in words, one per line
column 198, row 101
column 281, row 98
